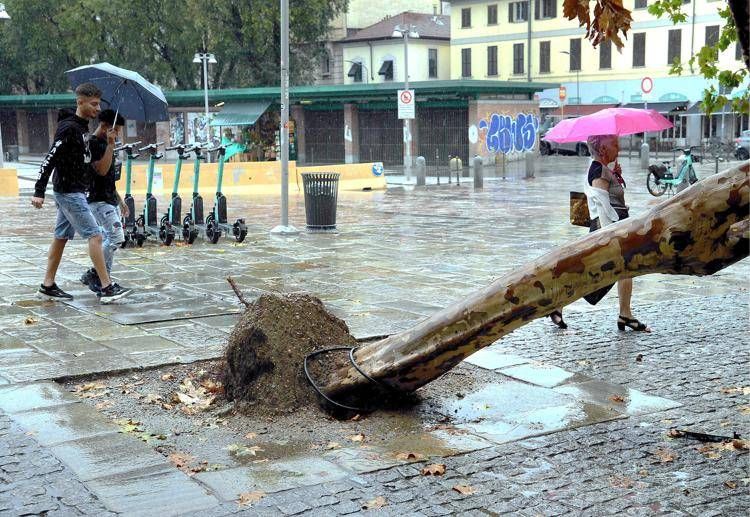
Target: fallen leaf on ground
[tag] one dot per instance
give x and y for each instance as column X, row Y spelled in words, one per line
column 639, row 358
column 618, row 399
column 584, row 362
column 248, row 498
column 251, row 436
column 89, row 386
column 435, row 469
column 621, row 482
column 409, row 456
column 180, row 459
column 740, row 444
column 104, row 404
column 378, row 502
column 356, row 437
column 30, row 321
column 665, row 455
column 730, row 484
column 465, row 489
column 167, row 377
column 151, row 398
column 240, row 450
column 745, row 390
column 332, row 445
column 355, row 418
column 675, row 433
column 745, row 410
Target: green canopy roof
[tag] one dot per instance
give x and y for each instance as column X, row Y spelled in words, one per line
column 240, row 114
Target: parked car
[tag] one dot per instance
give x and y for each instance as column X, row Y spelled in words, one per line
column 545, row 147
column 578, row 148
column 742, row 151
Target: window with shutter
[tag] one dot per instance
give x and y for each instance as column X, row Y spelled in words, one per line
column 674, row 45
column 605, row 55
column 465, row 62
column 518, row 58
column 492, row 60
column 544, row 54
column 639, row 49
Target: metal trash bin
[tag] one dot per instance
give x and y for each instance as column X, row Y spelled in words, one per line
column 12, row 152
column 321, row 194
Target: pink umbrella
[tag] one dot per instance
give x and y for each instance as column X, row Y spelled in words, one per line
column 609, row 121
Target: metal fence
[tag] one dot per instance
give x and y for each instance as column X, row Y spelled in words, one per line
column 324, row 141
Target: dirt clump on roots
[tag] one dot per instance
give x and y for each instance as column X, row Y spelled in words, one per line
column 267, row 348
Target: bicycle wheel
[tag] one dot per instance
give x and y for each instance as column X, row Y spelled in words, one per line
column 655, row 186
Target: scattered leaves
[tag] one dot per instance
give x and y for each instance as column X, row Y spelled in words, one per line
column 617, row 399
column 609, row 19
column 376, row 503
column 730, row 484
column 240, row 451
column 745, row 410
column 435, row 469
column 465, row 489
column 332, row 445
column 167, row 377
column 30, row 321
column 740, row 444
column 409, row 456
column 621, row 482
column 104, row 404
column 639, row 358
column 180, row 459
column 356, row 437
column 665, row 455
column 745, row 390
column 151, row 398
column 251, row 436
column 675, row 433
column 248, row 498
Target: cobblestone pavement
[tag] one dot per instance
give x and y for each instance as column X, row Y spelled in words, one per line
column 34, row 482
column 400, row 256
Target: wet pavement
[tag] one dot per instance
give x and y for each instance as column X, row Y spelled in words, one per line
column 398, row 256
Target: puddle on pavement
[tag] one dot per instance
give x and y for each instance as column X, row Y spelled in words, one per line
column 260, row 451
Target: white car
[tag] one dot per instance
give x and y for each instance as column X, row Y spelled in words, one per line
column 742, row 151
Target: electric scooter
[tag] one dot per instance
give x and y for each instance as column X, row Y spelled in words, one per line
column 194, row 219
column 132, row 235
column 149, row 221
column 216, row 221
column 174, row 214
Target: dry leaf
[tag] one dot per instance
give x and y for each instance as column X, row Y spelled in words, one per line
column 665, row 455
column 675, row 433
column 332, row 445
column 617, row 399
column 621, row 482
column 251, row 436
column 465, row 489
column 730, row 484
column 30, row 321
column 745, row 410
column 435, row 469
column 355, row 418
column 356, row 437
column 639, row 358
column 740, row 444
column 739, row 390
column 378, row 502
column 409, row 456
column 248, row 498
column 104, row 404
column 151, row 398
column 167, row 377
column 180, row 459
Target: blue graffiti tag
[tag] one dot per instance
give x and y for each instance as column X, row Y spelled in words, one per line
column 505, row 135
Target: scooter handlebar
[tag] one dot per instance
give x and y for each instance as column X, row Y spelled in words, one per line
column 126, row 147
column 152, row 147
column 220, row 148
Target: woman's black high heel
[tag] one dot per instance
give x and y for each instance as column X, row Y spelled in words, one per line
column 631, row 323
column 559, row 321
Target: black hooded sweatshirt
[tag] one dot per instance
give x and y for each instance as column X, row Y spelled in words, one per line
column 69, row 157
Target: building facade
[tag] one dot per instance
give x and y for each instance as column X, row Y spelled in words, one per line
column 525, row 40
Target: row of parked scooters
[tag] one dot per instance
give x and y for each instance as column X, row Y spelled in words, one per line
column 149, row 225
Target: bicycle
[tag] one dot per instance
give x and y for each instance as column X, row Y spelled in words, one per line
column 661, row 179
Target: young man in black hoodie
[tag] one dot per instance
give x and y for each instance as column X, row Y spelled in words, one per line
column 104, row 200
column 70, row 159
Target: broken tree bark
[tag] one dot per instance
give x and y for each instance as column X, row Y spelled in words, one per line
column 697, row 232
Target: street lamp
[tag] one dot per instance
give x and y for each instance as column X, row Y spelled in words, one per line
column 360, row 63
column 406, row 31
column 578, row 84
column 3, row 16
column 205, row 58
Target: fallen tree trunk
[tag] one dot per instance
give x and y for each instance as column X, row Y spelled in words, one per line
column 698, row 232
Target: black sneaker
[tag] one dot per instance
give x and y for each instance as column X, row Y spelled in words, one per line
column 52, row 293
column 113, row 292
column 91, row 279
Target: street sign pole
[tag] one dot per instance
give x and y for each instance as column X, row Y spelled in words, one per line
column 407, row 122
column 284, row 228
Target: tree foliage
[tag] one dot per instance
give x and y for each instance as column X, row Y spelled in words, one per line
column 609, row 18
column 158, row 38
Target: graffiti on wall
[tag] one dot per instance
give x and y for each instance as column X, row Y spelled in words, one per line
column 508, row 134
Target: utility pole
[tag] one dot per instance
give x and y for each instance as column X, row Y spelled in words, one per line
column 284, row 228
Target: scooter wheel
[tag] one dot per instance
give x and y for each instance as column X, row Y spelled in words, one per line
column 239, row 230
column 140, row 239
column 213, row 232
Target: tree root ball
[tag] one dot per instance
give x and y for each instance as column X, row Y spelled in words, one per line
column 267, row 348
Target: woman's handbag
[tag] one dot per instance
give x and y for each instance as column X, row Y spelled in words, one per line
column 579, row 209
